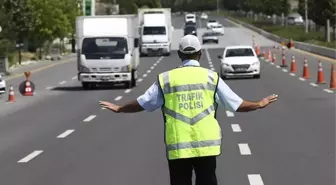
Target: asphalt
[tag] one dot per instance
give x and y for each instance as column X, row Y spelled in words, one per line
column 291, row 142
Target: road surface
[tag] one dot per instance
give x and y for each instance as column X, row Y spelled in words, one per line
column 61, row 136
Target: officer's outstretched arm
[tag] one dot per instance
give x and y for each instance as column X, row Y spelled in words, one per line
column 130, row 107
column 247, row 106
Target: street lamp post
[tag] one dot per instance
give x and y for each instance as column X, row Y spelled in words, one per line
column 306, row 16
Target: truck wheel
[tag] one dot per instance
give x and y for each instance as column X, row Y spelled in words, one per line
column 133, row 81
column 86, row 85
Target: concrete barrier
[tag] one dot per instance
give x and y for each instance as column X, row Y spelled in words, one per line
column 323, row 51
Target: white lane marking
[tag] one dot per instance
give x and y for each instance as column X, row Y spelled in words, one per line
column 49, row 88
column 30, row 156
column 152, row 67
column 302, row 79
column 144, row 75
column 255, row 179
column 328, row 90
column 65, row 134
column 277, row 66
column 213, row 69
column 285, row 70
column 62, row 82
column 313, row 84
column 236, row 128
column 103, row 108
column 90, row 118
column 211, row 66
column 140, row 80
column 118, row 98
column 272, row 63
column 73, row 78
column 292, row 74
column 244, row 149
column 229, row 113
column 148, row 71
column 127, row 90
column 154, row 64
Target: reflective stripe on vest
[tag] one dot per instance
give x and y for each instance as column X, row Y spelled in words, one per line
column 202, row 136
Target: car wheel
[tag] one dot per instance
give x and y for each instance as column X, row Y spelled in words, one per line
column 216, row 42
column 86, row 85
column 133, row 82
column 257, row 76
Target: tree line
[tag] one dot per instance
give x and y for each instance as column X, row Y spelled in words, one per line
column 35, row 22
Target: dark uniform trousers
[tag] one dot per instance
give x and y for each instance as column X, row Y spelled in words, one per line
column 181, row 171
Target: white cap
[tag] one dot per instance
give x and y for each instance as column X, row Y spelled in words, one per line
column 189, row 44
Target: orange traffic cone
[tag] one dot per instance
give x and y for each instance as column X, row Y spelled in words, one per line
column 293, row 65
column 320, row 74
column 305, row 73
column 332, row 78
column 28, row 89
column 11, row 95
column 274, row 58
column 256, row 50
column 269, row 55
column 264, row 54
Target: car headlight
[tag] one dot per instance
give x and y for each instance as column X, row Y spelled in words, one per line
column 126, row 68
column 255, row 63
column 226, row 65
column 84, row 69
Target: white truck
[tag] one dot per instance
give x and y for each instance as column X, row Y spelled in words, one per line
column 107, row 50
column 155, row 29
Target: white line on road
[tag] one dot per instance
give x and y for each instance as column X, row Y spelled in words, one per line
column 154, row 64
column 229, row 113
column 30, row 156
column 118, row 98
column 328, row 90
column 213, row 69
column 127, row 90
column 90, row 118
column 285, row 70
column 140, row 80
column 144, row 75
column 148, row 71
column 62, row 82
column 292, row 74
column 152, row 67
column 255, row 179
column 49, row 88
column 73, row 78
column 244, row 149
column 65, row 134
column 272, row 63
column 313, row 84
column 302, row 79
column 277, row 66
column 236, row 128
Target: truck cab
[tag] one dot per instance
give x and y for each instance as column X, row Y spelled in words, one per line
column 155, row 32
column 107, row 54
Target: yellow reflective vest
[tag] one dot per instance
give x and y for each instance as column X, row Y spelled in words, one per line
column 191, row 129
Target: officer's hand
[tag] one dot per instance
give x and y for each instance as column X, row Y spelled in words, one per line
column 268, row 100
column 110, row 106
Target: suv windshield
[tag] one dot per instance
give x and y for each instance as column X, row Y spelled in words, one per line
column 212, row 21
column 241, row 52
column 107, row 48
column 159, row 30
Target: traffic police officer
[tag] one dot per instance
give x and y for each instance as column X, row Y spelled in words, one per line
column 188, row 96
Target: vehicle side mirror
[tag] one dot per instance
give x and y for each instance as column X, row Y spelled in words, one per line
column 220, row 57
column 136, row 42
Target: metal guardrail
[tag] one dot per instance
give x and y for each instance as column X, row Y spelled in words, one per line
column 324, row 51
